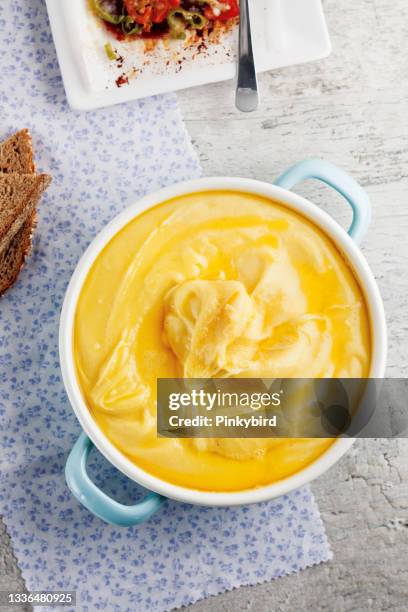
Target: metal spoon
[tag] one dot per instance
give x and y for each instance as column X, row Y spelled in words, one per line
column 247, row 97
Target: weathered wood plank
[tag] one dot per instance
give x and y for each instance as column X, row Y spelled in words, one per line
column 351, row 109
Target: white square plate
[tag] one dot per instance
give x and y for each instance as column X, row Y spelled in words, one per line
column 285, row 32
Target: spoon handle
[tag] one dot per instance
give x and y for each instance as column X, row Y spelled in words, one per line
column 247, row 98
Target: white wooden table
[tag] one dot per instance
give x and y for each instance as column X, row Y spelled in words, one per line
column 351, row 109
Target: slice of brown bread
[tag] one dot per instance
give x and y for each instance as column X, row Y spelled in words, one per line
column 19, row 194
column 12, row 258
column 16, row 153
column 16, row 158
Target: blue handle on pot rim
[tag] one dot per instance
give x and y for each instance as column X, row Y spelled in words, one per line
column 82, row 487
column 90, row 496
column 341, row 182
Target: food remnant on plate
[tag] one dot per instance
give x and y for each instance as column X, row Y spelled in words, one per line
column 160, row 19
column 122, row 80
column 218, row 284
column 110, row 52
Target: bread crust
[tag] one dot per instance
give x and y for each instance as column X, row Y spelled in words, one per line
column 12, row 259
column 16, row 153
column 25, row 191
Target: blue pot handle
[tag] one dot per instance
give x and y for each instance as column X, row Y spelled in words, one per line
column 90, row 496
column 341, row 182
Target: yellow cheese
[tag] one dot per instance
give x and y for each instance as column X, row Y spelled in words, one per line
column 215, row 284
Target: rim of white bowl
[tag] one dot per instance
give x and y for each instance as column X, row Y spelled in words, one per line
column 328, row 225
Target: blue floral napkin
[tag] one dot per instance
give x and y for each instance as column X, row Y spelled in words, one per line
column 99, row 161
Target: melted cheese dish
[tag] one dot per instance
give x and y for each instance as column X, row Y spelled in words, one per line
column 215, row 284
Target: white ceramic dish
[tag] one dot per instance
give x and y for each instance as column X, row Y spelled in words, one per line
column 285, row 32
column 77, row 479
